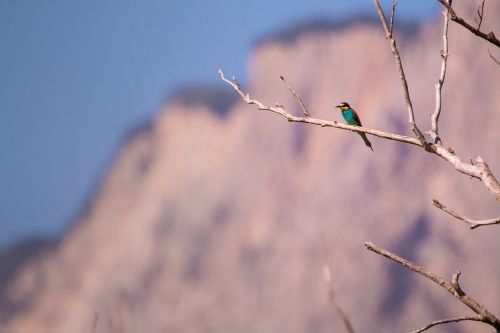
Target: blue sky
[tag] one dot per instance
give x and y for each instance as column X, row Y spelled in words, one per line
column 76, row 76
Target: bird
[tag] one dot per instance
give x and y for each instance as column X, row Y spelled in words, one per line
column 352, row 118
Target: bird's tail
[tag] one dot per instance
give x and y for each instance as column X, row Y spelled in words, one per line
column 365, row 139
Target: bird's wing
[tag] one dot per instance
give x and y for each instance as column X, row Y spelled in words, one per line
column 356, row 117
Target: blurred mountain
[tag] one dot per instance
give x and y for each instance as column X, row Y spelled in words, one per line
column 213, row 224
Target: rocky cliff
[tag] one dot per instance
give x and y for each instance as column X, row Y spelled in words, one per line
column 210, row 223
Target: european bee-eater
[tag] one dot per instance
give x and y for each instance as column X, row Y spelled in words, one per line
column 352, row 118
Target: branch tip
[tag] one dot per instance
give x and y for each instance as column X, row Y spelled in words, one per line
column 473, row 224
column 297, row 97
column 455, row 284
column 446, row 321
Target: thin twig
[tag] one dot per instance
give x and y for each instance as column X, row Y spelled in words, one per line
column 297, row 97
column 477, row 169
column 393, row 11
column 483, row 314
column 473, row 223
column 480, row 14
column 490, row 36
column 327, row 275
column 434, row 133
column 392, row 42
column 93, row 328
column 491, row 55
column 445, row 321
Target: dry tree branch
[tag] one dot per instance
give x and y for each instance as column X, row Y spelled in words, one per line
column 446, row 321
column 473, row 223
column 490, row 36
column 392, row 42
column 297, row 97
column 434, row 134
column 477, row 169
column 452, row 287
column 327, row 275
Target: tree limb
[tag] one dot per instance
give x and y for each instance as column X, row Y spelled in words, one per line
column 490, row 36
column 473, row 223
column 452, row 287
column 445, row 321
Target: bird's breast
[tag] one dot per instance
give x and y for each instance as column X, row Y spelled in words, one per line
column 349, row 117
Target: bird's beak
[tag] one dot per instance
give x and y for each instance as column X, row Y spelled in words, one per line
column 338, row 106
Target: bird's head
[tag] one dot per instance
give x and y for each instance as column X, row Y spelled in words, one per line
column 343, row 106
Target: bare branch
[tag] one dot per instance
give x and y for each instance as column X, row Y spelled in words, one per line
column 473, row 223
column 439, row 84
column 478, row 169
column 490, row 36
column 327, row 275
column 446, row 321
column 392, row 42
column 483, row 314
column 297, row 97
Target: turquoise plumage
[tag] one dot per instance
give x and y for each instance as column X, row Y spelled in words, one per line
column 352, row 118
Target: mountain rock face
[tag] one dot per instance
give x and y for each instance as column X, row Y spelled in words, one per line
column 207, row 224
